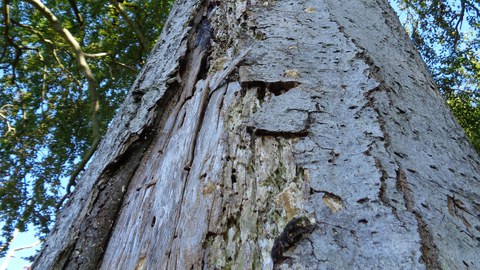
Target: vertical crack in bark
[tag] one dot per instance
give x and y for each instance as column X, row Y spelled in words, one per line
column 456, row 205
column 429, row 249
column 383, row 185
column 401, row 185
column 419, row 127
column 197, row 61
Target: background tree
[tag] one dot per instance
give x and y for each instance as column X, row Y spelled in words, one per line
column 66, row 66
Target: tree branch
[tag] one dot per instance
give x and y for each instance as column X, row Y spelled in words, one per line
column 143, row 41
column 92, row 84
column 59, row 62
column 459, row 24
column 74, row 6
column 125, row 66
column 95, row 55
column 6, row 21
column 3, row 114
column 477, row 10
column 34, row 31
column 11, row 252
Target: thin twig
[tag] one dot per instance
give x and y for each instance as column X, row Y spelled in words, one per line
column 96, row 55
column 125, row 66
column 6, row 29
column 69, row 74
column 33, row 30
column 459, row 24
column 477, row 10
column 3, row 114
column 131, row 23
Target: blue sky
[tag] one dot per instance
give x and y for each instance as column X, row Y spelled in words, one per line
column 17, row 262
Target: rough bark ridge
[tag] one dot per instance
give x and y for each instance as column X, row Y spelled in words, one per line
column 310, row 135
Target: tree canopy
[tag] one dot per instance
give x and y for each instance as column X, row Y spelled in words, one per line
column 66, row 66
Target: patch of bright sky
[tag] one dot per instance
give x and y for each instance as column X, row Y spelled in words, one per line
column 401, row 15
column 18, row 261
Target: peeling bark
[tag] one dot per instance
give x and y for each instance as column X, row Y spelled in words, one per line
column 277, row 134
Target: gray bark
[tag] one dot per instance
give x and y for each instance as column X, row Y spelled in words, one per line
column 279, row 134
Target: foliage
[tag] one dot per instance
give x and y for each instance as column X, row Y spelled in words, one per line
column 45, row 104
column 447, row 33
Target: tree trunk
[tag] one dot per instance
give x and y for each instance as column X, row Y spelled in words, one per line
column 284, row 134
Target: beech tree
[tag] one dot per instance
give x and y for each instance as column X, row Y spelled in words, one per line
column 277, row 134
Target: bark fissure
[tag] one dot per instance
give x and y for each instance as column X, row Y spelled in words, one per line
column 108, row 195
column 429, row 250
column 402, row 186
column 195, row 71
column 91, row 238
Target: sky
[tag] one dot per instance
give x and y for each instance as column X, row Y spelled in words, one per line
column 17, row 262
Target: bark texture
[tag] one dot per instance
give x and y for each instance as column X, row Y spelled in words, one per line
column 277, row 134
